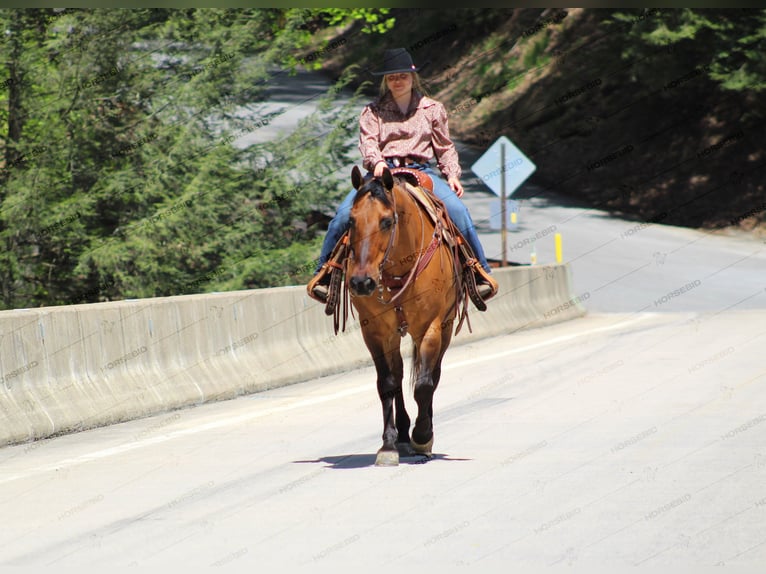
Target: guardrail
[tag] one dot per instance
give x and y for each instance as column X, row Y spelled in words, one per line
column 65, row 369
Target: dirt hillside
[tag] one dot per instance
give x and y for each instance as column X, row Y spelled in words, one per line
column 648, row 137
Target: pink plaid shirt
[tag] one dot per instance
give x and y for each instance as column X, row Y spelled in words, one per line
column 421, row 133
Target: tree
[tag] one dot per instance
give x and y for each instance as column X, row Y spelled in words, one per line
column 726, row 43
column 120, row 178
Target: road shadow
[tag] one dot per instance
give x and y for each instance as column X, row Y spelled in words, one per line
column 351, row 461
column 301, row 87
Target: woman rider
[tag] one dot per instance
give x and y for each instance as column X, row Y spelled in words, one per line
column 406, row 128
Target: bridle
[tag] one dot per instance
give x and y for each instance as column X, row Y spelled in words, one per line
column 400, row 283
column 391, row 282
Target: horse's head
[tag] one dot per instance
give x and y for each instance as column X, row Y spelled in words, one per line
column 372, row 221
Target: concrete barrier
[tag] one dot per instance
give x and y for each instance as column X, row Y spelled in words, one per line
column 69, row 368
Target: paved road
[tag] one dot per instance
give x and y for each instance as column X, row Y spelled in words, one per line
column 628, row 266
column 614, row 439
column 632, row 436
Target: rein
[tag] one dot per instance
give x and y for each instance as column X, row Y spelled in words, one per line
column 400, row 283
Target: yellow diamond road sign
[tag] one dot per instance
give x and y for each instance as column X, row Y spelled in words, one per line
column 518, row 167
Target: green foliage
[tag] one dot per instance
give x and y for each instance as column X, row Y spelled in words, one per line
column 535, row 56
column 118, row 173
column 727, row 42
column 374, row 18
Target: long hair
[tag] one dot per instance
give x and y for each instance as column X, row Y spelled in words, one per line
column 417, row 85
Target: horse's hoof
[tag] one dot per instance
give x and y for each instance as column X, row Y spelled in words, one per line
column 405, row 449
column 423, row 448
column 387, row 458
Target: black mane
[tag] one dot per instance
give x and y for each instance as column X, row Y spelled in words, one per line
column 375, row 188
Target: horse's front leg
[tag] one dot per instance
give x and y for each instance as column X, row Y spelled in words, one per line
column 427, row 358
column 402, row 418
column 388, row 364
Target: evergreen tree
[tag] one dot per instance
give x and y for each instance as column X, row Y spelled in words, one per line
column 119, row 178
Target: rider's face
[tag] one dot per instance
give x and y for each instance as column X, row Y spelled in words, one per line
column 399, row 84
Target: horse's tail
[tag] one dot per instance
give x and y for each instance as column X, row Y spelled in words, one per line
column 416, row 367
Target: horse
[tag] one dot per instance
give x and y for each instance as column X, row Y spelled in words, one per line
column 396, row 250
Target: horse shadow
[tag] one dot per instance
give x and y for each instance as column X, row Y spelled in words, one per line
column 351, row 461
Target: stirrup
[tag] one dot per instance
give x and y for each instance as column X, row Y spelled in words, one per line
column 469, row 279
column 320, row 282
column 329, row 292
column 333, row 266
column 472, row 270
column 487, row 288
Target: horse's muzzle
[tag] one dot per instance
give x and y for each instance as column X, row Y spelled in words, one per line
column 362, row 286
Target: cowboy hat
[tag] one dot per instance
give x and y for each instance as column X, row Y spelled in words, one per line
column 397, row 60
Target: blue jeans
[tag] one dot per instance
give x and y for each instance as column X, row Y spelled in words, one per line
column 457, row 210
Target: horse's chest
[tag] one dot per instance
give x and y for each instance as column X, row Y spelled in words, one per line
column 438, row 285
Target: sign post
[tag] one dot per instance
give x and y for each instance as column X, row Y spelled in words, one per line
column 503, row 181
column 504, row 228
column 511, row 213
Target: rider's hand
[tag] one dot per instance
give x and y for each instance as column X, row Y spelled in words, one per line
column 379, row 167
column 454, row 183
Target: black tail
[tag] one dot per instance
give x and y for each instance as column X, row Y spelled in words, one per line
column 415, row 368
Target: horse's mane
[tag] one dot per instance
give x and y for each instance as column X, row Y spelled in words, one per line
column 373, row 187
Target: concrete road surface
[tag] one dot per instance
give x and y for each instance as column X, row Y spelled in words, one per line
column 612, row 440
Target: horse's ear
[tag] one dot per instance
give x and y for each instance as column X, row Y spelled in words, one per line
column 356, row 178
column 388, row 179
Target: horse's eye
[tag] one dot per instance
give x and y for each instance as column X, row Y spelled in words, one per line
column 386, row 223
column 351, row 222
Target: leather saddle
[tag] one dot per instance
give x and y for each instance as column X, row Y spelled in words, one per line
column 431, row 204
column 437, row 211
column 415, row 177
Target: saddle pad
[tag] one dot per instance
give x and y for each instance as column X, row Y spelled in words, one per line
column 429, row 202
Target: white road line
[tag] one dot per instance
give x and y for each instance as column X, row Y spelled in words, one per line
column 233, row 421
column 554, row 341
column 104, row 453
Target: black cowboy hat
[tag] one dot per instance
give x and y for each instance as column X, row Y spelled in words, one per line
column 397, row 60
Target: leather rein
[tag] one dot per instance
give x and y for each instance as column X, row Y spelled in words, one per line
column 399, row 283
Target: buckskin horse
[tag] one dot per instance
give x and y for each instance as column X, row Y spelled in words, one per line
column 405, row 277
